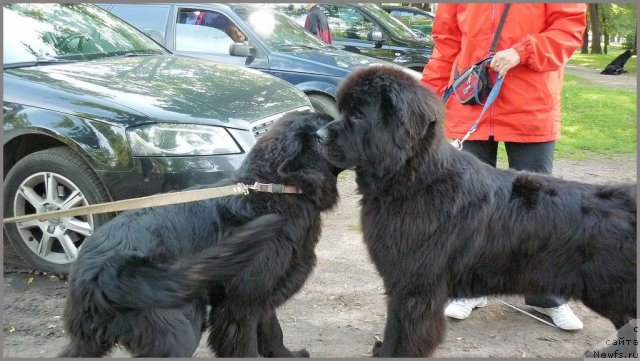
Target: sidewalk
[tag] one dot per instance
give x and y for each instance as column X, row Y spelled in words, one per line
column 622, row 81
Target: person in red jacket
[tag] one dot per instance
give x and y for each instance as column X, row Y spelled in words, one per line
column 317, row 23
column 535, row 43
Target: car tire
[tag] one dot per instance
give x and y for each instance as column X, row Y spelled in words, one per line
column 45, row 181
column 325, row 105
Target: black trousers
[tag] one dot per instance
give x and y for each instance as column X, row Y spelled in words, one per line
column 533, row 157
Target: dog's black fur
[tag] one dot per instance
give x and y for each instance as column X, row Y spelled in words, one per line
column 439, row 223
column 616, row 66
column 144, row 279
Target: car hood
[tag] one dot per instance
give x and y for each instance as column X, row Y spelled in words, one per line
column 135, row 90
column 326, row 61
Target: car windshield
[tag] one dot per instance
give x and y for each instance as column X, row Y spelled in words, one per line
column 52, row 33
column 278, row 31
column 394, row 25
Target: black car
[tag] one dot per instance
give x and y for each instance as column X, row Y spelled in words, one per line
column 369, row 30
column 420, row 21
column 96, row 111
column 268, row 41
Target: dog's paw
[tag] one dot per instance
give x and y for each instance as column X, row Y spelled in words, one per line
column 301, row 353
column 376, row 348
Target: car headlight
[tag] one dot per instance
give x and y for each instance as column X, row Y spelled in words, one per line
column 180, row 140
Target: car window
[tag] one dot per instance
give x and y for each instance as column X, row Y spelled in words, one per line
column 206, row 32
column 278, row 31
column 415, row 21
column 151, row 19
column 62, row 32
column 346, row 22
column 399, row 13
column 392, row 24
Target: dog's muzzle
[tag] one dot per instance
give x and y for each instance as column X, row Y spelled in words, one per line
column 323, row 135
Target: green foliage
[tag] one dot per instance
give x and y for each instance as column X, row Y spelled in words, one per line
column 620, row 18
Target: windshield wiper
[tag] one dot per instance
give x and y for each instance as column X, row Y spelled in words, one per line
column 26, row 64
column 130, row 55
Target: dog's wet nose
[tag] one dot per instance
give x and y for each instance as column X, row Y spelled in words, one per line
column 323, row 135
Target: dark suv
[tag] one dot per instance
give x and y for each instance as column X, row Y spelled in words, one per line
column 96, row 111
column 369, row 30
column 264, row 40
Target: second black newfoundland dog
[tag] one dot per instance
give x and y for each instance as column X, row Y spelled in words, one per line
column 438, row 223
column 143, row 281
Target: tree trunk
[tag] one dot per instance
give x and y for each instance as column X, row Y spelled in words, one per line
column 584, row 49
column 605, row 28
column 596, row 48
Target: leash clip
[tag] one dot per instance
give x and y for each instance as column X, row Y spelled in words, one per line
column 457, row 143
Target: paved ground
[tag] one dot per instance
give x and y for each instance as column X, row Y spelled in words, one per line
column 622, row 81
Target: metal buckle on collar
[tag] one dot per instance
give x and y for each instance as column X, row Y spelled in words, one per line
column 262, row 187
column 274, row 188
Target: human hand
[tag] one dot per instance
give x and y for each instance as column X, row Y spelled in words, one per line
column 504, row 60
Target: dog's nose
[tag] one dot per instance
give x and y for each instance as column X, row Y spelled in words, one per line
column 323, row 135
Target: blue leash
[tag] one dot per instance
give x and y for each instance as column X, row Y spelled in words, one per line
column 457, row 143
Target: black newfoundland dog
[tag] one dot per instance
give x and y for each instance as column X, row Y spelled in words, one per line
column 144, row 280
column 616, row 66
column 438, row 223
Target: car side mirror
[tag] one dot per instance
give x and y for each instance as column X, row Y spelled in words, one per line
column 243, row 50
column 375, row 35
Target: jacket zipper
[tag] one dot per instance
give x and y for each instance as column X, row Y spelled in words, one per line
column 493, row 28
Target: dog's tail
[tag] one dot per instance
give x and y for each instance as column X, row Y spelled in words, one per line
column 142, row 283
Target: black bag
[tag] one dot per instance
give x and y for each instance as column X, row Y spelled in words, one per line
column 473, row 86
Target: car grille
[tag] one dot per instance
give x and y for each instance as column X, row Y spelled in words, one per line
column 262, row 126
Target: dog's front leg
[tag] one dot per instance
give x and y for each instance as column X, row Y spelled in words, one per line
column 270, row 338
column 415, row 327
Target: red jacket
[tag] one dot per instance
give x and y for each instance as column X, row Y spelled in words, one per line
column 528, row 106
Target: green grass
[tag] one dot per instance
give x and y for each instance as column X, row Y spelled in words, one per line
column 600, row 61
column 596, row 122
column 596, row 119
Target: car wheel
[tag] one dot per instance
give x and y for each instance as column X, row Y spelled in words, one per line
column 44, row 181
column 325, row 105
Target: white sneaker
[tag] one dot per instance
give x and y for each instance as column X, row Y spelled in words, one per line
column 562, row 316
column 461, row 308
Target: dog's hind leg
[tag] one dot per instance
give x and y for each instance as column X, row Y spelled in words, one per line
column 270, row 339
column 167, row 332
column 233, row 331
column 415, row 327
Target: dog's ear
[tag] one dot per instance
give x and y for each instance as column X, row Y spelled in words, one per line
column 291, row 150
column 304, row 167
column 410, row 112
column 300, row 154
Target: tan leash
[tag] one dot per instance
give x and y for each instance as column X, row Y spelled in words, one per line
column 156, row 200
